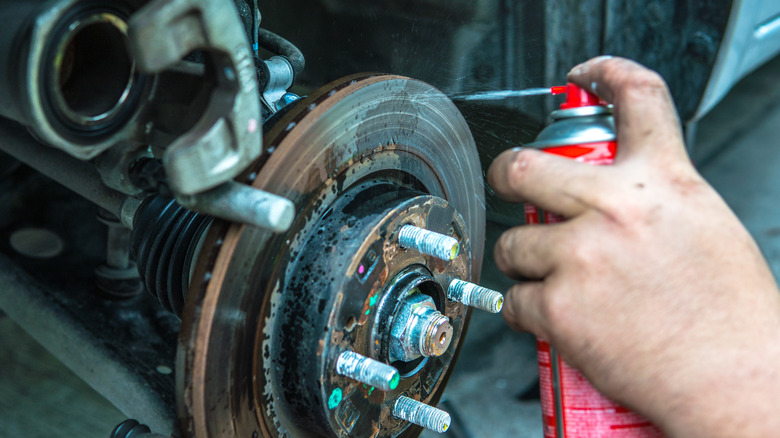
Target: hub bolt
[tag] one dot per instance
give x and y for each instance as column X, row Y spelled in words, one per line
column 429, row 243
column 475, row 295
column 367, row 370
column 421, row 414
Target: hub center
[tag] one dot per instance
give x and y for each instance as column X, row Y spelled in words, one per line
column 373, row 306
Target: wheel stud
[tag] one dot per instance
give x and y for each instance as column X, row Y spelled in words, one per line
column 475, row 295
column 429, row 243
column 367, row 370
column 421, row 414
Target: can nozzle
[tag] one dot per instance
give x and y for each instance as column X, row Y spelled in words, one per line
column 558, row 89
column 577, row 97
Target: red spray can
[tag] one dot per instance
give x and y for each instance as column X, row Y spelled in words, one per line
column 583, row 130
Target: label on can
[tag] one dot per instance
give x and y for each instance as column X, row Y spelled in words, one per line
column 571, row 406
column 584, row 412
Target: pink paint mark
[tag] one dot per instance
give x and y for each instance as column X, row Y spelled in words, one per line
column 361, row 269
column 252, row 126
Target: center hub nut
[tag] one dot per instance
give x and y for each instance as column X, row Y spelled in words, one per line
column 418, row 329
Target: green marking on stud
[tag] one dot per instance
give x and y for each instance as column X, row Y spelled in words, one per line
column 372, row 301
column 394, row 381
column 455, row 250
column 371, row 390
column 368, row 311
column 334, row 399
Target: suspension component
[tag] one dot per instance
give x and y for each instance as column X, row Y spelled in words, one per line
column 118, row 276
column 133, row 429
column 279, row 74
column 165, row 242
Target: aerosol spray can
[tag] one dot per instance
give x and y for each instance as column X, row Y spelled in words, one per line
column 583, row 130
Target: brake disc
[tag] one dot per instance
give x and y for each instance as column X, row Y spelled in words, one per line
column 268, row 314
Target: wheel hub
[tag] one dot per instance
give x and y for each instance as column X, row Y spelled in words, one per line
column 338, row 299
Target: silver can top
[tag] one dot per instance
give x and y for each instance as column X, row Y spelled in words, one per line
column 581, row 125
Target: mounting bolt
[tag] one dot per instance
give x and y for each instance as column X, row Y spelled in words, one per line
column 429, row 243
column 367, row 370
column 421, row 414
column 118, row 277
column 475, row 295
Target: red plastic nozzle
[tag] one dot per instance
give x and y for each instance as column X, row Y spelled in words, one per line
column 577, row 97
column 558, row 89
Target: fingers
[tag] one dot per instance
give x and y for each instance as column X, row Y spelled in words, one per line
column 522, row 308
column 645, row 116
column 553, row 183
column 530, row 251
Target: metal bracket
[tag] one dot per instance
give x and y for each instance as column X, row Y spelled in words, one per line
column 280, row 78
column 227, row 138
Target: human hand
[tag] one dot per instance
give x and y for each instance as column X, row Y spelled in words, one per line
column 652, row 288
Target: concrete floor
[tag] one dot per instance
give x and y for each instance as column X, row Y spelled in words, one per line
column 489, row 391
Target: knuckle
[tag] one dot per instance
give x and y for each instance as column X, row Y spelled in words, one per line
column 502, row 251
column 515, row 311
column 508, row 252
column 580, row 254
column 633, row 81
column 584, row 258
column 647, row 83
column 511, row 311
column 616, row 208
column 629, row 212
column 647, row 79
column 628, row 217
column 525, row 161
column 555, row 310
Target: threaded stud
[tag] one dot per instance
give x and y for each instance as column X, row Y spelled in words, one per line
column 367, row 370
column 429, row 243
column 475, row 295
column 421, row 414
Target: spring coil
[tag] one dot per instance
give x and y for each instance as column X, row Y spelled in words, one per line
column 163, row 242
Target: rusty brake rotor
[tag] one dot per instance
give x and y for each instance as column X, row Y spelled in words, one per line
column 268, row 314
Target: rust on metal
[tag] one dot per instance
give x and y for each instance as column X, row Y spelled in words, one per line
column 235, row 368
